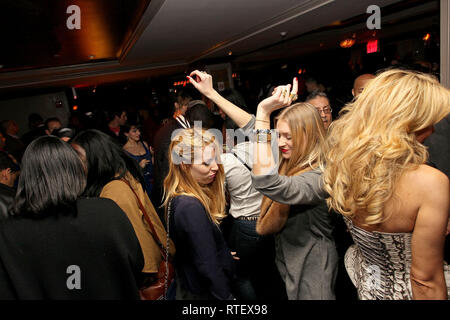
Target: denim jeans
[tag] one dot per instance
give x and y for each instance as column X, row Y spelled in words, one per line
column 257, row 274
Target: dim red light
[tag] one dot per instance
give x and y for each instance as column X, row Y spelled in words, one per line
column 372, row 46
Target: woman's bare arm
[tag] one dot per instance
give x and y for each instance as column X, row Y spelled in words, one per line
column 265, row 161
column 427, row 244
column 203, row 83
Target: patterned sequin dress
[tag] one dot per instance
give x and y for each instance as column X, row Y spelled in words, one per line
column 379, row 264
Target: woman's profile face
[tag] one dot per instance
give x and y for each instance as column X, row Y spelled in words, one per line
column 285, row 142
column 134, row 134
column 205, row 173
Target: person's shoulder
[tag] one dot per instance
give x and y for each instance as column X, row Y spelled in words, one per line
column 427, row 180
column 227, row 158
column 169, row 125
column 188, row 204
column 165, row 131
column 189, row 211
column 429, row 175
column 100, row 204
column 185, row 200
column 99, row 210
column 115, row 186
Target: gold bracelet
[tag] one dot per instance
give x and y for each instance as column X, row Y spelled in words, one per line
column 263, row 120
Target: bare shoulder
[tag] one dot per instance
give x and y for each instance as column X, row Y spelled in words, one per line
column 427, row 185
column 428, row 179
column 126, row 147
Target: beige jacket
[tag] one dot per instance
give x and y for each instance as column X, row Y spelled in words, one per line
column 120, row 193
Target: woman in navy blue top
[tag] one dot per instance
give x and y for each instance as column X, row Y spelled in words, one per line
column 195, row 203
column 141, row 152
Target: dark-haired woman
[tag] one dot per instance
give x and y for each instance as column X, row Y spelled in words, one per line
column 58, row 246
column 140, row 151
column 114, row 175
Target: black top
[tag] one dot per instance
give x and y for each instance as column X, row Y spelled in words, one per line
column 161, row 166
column 204, row 264
column 439, row 146
column 93, row 254
column 7, row 195
column 15, row 147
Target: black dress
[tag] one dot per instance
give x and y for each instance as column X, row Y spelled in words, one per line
column 90, row 254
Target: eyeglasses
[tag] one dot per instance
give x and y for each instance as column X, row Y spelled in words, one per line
column 325, row 110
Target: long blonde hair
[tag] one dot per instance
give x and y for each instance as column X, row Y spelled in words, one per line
column 308, row 136
column 185, row 149
column 374, row 142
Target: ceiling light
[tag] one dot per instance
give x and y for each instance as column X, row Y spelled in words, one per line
column 347, row 43
column 74, row 93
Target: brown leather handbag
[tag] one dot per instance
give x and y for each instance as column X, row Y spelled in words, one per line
column 157, row 290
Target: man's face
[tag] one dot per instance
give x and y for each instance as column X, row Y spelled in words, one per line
column 13, row 128
column 360, row 83
column 322, row 105
column 9, row 177
column 53, row 125
column 182, row 107
column 123, row 118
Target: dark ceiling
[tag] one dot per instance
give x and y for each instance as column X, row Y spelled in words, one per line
column 129, row 39
column 36, row 34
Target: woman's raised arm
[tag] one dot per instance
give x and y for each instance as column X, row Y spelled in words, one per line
column 265, row 161
column 202, row 81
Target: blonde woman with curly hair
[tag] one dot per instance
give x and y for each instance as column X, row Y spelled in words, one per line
column 195, row 203
column 395, row 206
column 306, row 254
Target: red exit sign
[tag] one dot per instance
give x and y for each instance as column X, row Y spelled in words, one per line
column 372, row 46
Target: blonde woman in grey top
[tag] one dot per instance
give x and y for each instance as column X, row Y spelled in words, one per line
column 294, row 209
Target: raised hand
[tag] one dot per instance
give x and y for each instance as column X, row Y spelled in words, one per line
column 282, row 97
column 202, row 81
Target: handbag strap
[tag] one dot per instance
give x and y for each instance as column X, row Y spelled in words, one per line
column 166, row 280
column 242, row 161
column 152, row 232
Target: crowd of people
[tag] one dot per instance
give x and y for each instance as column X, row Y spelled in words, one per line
column 285, row 204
